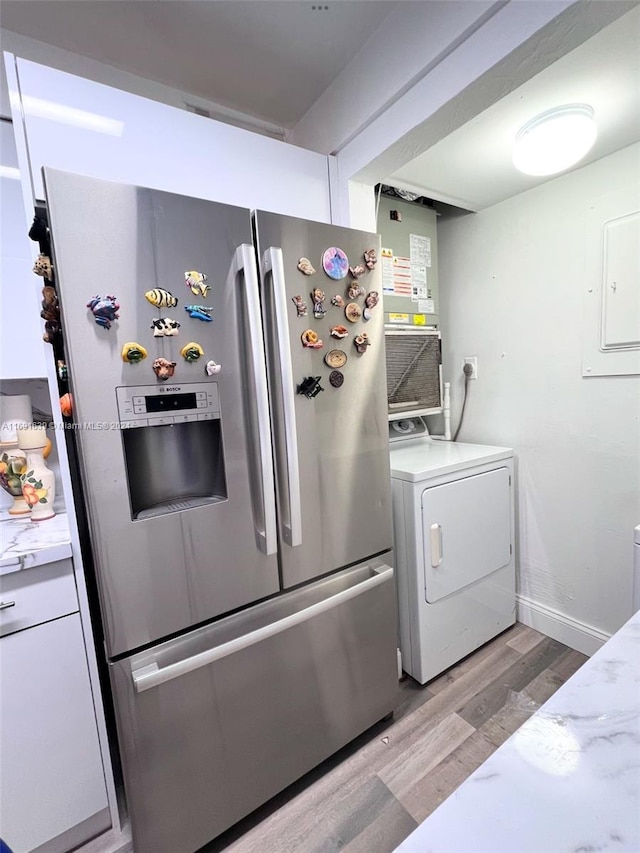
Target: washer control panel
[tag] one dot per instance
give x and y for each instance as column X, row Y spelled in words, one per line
column 152, row 405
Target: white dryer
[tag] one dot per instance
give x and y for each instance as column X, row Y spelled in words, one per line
column 453, row 514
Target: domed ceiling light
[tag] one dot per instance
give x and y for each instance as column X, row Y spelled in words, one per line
column 555, row 140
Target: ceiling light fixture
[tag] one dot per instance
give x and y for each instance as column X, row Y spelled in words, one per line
column 555, row 140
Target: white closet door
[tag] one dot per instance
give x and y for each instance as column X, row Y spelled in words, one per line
column 466, row 531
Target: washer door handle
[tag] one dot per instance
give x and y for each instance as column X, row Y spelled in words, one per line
column 436, row 545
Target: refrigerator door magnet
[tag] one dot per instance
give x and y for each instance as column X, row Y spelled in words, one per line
column 199, row 312
column 355, row 290
column 164, row 327
column 191, row 351
column 318, row 297
column 370, row 258
column 163, row 368
column 337, row 300
column 195, row 281
column 336, row 378
column 310, row 387
column 132, row 353
column 301, row 305
column 361, row 342
column 306, row 267
column 353, row 312
column 339, row 332
column 358, row 270
column 335, row 263
column 335, row 358
column 211, row 368
column 104, row 309
column 311, row 339
column 161, row 298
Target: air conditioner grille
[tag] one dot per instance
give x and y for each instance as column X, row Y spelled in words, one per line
column 413, row 371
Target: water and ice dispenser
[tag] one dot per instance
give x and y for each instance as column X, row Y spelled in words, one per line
column 172, row 444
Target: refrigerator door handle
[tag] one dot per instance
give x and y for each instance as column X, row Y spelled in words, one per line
column 246, row 262
column 152, row 676
column 272, row 262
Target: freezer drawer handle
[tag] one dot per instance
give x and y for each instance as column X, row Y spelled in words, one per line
column 272, row 262
column 246, row 261
column 5, row 604
column 436, row 545
column 151, row 675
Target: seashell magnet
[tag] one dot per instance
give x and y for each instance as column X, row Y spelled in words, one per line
column 335, row 263
column 306, row 267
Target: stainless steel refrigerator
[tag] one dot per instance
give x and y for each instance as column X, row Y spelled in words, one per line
column 236, row 482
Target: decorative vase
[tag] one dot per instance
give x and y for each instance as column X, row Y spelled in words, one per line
column 38, row 481
column 15, row 413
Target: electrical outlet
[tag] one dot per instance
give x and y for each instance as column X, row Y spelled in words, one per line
column 473, row 361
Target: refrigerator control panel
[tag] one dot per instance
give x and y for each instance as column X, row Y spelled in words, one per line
column 152, row 405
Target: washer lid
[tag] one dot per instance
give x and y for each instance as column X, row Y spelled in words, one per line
column 423, row 458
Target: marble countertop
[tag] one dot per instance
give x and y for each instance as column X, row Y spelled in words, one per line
column 567, row 780
column 25, row 543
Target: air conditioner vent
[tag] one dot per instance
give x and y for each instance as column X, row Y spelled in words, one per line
column 414, row 382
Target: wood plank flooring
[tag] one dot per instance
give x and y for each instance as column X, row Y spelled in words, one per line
column 368, row 797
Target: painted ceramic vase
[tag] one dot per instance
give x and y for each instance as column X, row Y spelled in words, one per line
column 38, row 481
column 15, row 414
column 12, row 465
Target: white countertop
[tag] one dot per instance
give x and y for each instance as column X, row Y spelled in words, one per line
column 421, row 458
column 25, row 543
column 567, row 780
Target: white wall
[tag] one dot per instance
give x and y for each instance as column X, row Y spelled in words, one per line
column 512, row 285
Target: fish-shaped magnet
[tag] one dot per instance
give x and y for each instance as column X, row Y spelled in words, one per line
column 132, row 353
column 164, row 327
column 191, row 351
column 195, row 281
column 105, row 310
column 161, row 298
column 199, row 312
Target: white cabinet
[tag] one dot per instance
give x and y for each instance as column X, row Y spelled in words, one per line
column 52, row 783
column 21, row 344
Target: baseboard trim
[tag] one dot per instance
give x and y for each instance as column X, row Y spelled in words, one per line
column 578, row 635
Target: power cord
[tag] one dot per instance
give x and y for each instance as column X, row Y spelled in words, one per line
column 467, row 370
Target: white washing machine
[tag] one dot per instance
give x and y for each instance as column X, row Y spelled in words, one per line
column 453, row 514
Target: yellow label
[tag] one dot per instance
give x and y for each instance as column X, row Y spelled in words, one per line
column 398, row 318
column 419, row 319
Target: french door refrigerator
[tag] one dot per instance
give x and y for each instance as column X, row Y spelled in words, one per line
column 230, row 422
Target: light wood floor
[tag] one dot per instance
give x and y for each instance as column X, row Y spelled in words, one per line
column 368, row 797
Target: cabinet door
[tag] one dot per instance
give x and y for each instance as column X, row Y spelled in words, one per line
column 466, row 528
column 52, row 775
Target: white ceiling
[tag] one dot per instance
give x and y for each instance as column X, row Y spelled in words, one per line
column 472, row 167
column 271, row 60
